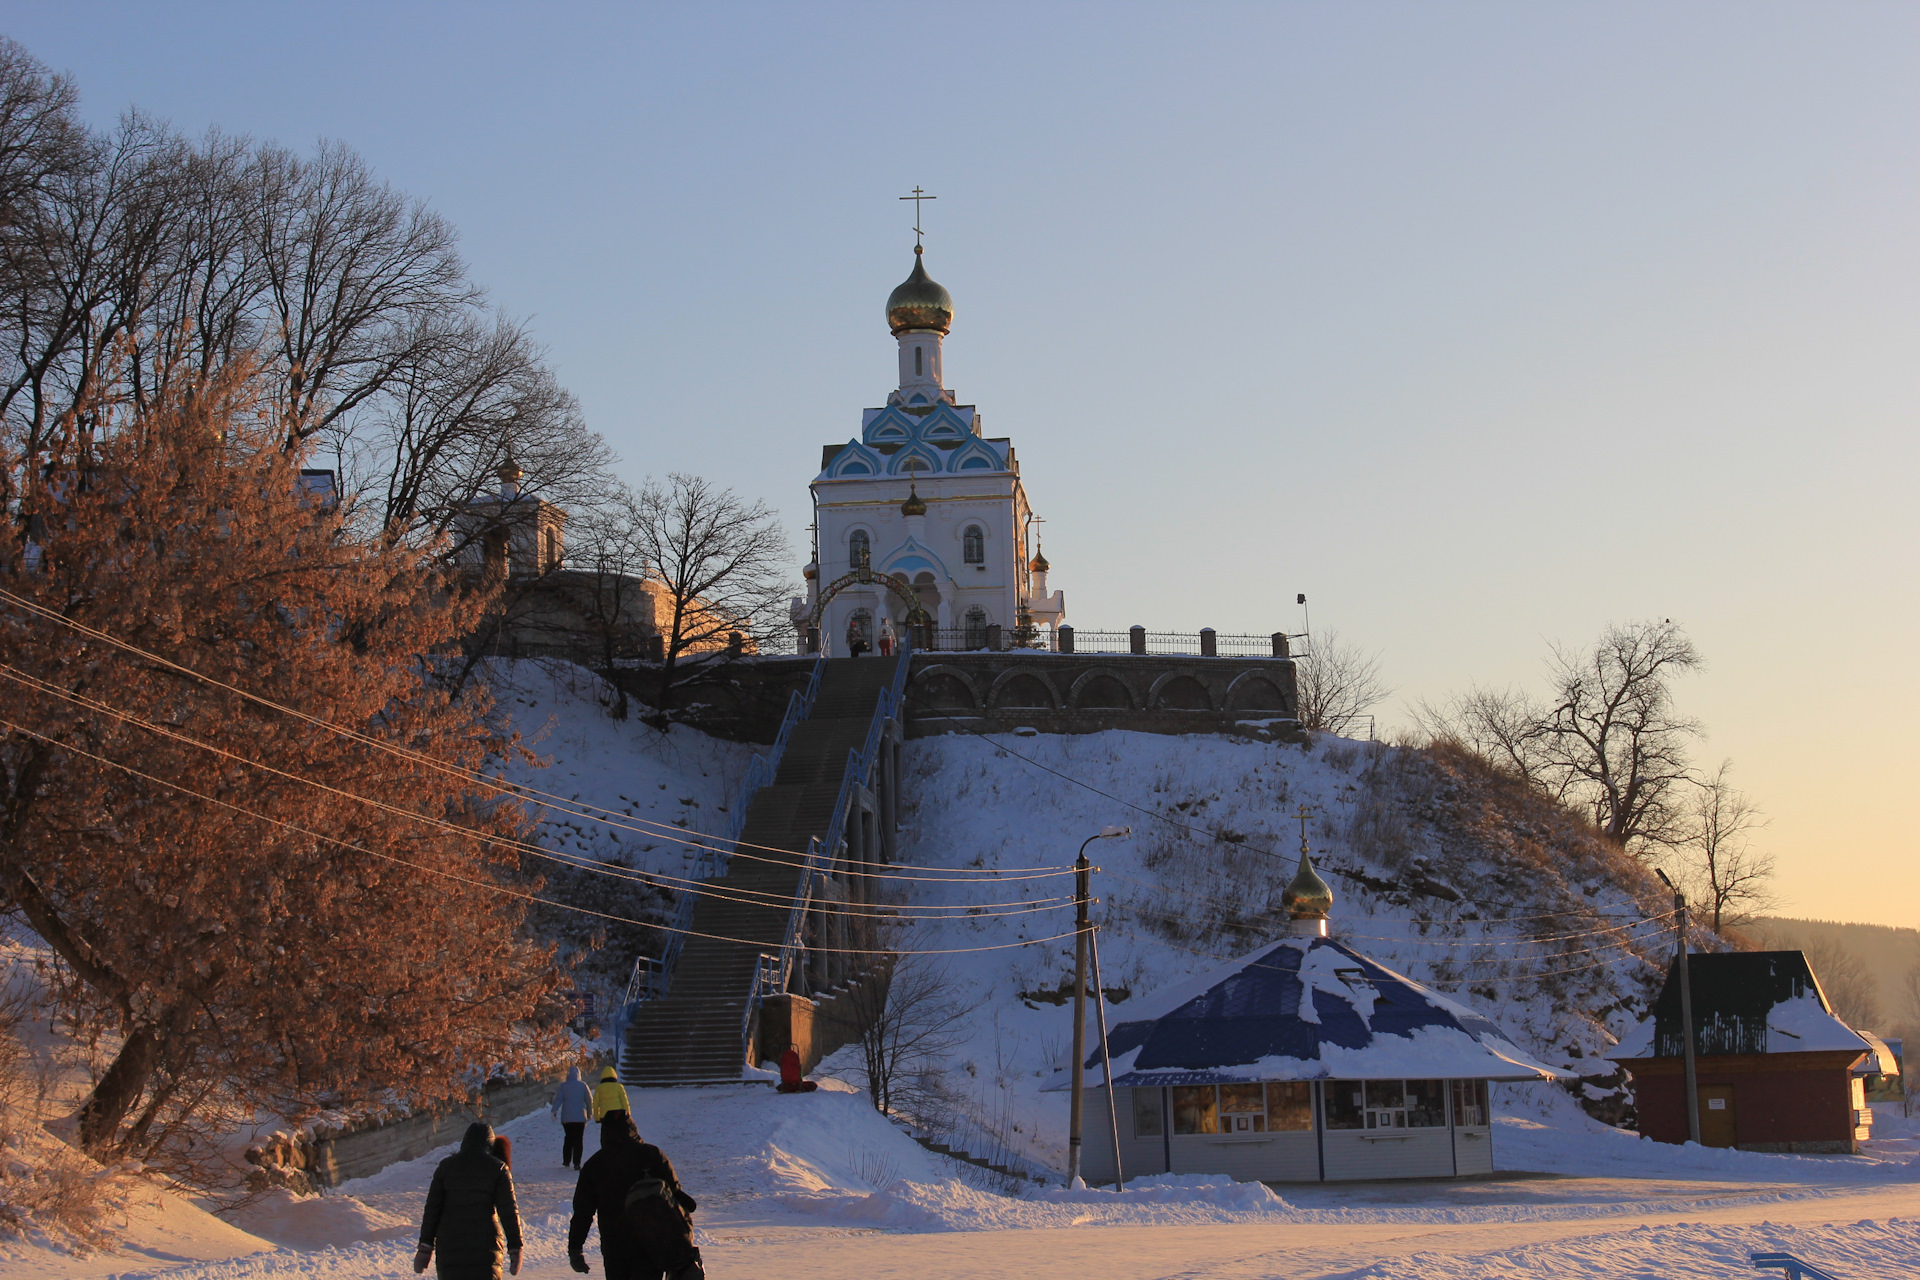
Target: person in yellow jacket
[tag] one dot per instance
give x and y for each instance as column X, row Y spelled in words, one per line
column 609, row 1095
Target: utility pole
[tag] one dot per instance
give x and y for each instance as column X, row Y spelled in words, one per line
column 1076, row 1101
column 1686, row 1013
column 1076, row 1105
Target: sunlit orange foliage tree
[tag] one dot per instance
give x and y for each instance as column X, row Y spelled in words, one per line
column 250, row 941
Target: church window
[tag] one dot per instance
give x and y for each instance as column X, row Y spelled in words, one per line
column 859, row 549
column 496, row 550
column 973, row 545
column 919, row 369
column 976, row 627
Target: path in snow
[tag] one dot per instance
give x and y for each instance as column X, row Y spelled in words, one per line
column 819, row 1187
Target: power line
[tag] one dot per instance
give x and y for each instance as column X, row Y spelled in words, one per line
column 1211, row 836
column 651, row 879
column 497, row 888
column 1201, row 897
column 586, row 811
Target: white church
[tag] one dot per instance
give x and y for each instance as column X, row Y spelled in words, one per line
column 920, row 518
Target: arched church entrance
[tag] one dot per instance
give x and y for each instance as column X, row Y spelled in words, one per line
column 896, row 586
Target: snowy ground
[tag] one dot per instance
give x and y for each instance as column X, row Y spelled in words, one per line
column 819, row 1186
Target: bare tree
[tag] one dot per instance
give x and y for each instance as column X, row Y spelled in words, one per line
column 1612, row 732
column 908, row 1015
column 1844, row 976
column 1504, row 727
column 1727, row 876
column 144, row 258
column 1337, row 682
column 721, row 565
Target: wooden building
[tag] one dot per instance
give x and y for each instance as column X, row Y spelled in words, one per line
column 1774, row 1068
column 1303, row 1061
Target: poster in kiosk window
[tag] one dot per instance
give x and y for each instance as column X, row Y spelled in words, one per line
column 1302, row 1060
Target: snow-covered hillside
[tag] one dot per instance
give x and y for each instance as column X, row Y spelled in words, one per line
column 1441, row 871
column 646, row 792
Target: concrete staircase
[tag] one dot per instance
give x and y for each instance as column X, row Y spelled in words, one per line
column 693, row 1034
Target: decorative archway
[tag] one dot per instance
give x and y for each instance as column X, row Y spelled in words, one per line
column 865, row 576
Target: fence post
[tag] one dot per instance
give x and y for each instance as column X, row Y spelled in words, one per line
column 1136, row 639
column 993, row 636
column 1209, row 643
column 1280, row 649
column 1065, row 635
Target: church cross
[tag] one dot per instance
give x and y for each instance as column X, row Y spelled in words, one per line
column 1303, row 830
column 917, row 196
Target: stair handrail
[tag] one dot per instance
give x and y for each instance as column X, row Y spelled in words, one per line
column 711, row 859
column 1795, row 1269
column 766, row 982
column 821, row 854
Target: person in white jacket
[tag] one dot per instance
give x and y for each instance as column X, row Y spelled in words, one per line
column 571, row 1103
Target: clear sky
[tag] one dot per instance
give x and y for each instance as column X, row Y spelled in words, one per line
column 1482, row 324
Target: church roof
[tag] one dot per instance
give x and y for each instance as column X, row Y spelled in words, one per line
column 1307, row 1008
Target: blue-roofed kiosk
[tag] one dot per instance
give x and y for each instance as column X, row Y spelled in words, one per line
column 1303, row 1061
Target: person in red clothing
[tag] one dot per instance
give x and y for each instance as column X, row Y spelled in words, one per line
column 790, row 1073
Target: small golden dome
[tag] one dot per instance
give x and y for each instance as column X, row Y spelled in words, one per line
column 1039, row 562
column 1307, row 896
column 915, row 505
column 919, row 303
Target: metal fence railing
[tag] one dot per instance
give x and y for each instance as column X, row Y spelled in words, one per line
column 1205, row 643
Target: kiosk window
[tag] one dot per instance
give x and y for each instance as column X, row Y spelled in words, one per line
column 1146, row 1113
column 1426, row 1104
column 1289, row 1107
column 1470, row 1102
column 1194, row 1110
column 1243, row 1108
column 1386, row 1104
column 1346, row 1103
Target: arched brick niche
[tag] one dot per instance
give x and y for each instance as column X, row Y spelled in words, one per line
column 943, row 690
column 1177, row 691
column 1101, row 691
column 1022, row 689
column 1254, row 691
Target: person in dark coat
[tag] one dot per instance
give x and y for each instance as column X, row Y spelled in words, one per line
column 605, row 1179
column 469, row 1209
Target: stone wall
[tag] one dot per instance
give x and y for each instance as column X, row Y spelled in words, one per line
column 1085, row 693
column 330, row 1156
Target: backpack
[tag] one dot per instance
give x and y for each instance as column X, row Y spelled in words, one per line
column 662, row 1228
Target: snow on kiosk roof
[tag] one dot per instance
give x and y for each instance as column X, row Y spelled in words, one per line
column 1308, row 1008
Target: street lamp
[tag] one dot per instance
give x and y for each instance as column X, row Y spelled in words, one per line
column 1082, row 929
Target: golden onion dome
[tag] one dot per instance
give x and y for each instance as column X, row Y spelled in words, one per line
column 915, row 505
column 1039, row 562
column 1307, row 896
column 919, row 303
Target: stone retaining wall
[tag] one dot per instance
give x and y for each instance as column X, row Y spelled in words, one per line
column 1085, row 693
column 329, row 1157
